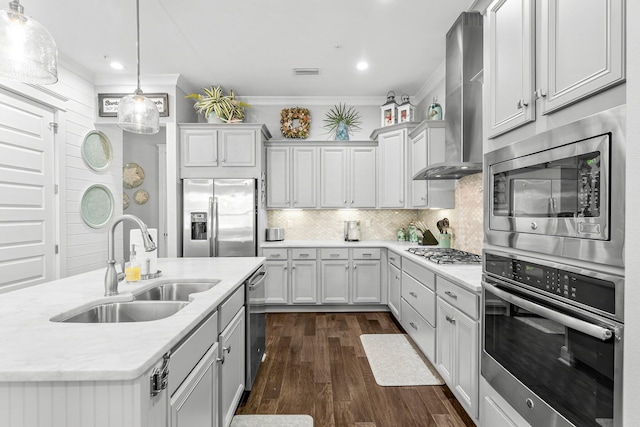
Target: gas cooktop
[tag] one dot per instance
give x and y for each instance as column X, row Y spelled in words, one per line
column 447, row 256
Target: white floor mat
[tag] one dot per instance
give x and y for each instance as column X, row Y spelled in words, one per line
column 395, row 362
column 272, row 421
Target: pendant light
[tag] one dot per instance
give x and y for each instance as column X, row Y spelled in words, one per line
column 137, row 113
column 28, row 53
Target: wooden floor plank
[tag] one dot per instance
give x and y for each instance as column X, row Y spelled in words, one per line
column 316, row 365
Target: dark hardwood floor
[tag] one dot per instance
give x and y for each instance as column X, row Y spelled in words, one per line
column 316, row 365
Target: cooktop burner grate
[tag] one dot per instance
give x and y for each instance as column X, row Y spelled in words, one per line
column 447, row 256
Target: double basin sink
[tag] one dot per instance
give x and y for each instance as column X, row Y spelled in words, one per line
column 158, row 302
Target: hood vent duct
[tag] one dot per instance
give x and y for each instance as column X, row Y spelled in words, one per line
column 463, row 109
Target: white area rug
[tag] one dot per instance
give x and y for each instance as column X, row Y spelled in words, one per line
column 543, row 325
column 272, row 421
column 395, row 362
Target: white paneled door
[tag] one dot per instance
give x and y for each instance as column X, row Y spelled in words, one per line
column 27, row 204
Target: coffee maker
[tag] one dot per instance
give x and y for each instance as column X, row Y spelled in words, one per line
column 351, row 231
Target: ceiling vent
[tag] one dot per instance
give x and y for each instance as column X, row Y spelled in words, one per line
column 306, row 71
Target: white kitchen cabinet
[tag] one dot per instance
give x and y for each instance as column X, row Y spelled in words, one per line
column 278, row 177
column 335, row 281
column 395, row 282
column 303, row 282
column 232, row 367
column 292, row 177
column 195, row 403
column 276, row 282
column 577, row 57
column 391, row 168
column 362, row 178
column 366, row 281
column 221, row 151
column 427, row 147
column 304, row 174
column 511, row 62
column 457, row 343
column 348, row 177
column 333, row 177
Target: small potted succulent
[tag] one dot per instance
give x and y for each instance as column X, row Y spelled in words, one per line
column 218, row 107
column 341, row 121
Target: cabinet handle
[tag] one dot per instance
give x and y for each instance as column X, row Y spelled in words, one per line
column 423, row 198
column 352, row 202
column 227, row 349
column 392, row 258
column 346, row 267
column 522, row 103
column 355, row 267
column 401, row 201
column 285, row 267
column 220, row 360
column 413, row 325
column 451, row 294
column 304, row 255
column 367, row 254
column 334, row 255
column 540, row 93
column 450, row 320
column 397, row 277
column 345, row 201
column 413, row 294
column 293, row 267
column 274, row 256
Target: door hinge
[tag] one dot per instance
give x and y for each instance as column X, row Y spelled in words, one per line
column 56, row 188
column 56, row 249
column 53, row 126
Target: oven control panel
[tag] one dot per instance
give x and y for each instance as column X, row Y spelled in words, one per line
column 562, row 284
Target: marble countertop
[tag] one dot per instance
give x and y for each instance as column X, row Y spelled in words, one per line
column 468, row 276
column 37, row 349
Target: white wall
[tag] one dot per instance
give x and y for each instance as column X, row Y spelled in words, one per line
column 631, row 393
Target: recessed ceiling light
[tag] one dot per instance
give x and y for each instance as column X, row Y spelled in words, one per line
column 116, row 65
column 362, row 65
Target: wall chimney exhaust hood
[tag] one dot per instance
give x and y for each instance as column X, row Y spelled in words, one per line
column 463, row 110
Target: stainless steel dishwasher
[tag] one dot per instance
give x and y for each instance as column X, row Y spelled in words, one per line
column 255, row 321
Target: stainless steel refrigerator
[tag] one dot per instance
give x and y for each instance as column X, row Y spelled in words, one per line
column 219, row 218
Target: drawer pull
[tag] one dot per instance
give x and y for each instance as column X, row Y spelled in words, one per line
column 413, row 325
column 227, row 349
column 413, row 294
column 293, row 267
column 451, row 294
column 397, row 277
column 274, row 256
column 367, row 254
column 355, row 267
column 392, row 258
column 450, row 320
column 334, row 255
column 304, row 255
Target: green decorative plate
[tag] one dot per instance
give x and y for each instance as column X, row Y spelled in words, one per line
column 96, row 207
column 97, row 152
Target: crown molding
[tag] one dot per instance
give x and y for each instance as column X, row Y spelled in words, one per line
column 313, row 100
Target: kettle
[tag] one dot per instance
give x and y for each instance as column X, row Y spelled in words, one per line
column 351, row 231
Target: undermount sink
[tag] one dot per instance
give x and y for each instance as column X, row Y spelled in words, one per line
column 174, row 291
column 131, row 311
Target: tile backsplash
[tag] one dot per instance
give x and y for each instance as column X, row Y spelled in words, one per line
column 383, row 224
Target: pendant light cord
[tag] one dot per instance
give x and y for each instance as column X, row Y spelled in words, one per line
column 138, row 90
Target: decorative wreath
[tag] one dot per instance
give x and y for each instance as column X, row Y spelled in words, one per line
column 288, row 115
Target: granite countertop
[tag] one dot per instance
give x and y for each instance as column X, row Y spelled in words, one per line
column 37, row 349
column 468, row 276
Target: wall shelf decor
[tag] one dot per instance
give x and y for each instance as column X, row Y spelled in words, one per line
column 96, row 150
column 96, row 207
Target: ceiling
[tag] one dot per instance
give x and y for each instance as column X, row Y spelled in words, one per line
column 252, row 46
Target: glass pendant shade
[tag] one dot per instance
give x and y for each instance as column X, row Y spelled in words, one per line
column 28, row 53
column 138, row 114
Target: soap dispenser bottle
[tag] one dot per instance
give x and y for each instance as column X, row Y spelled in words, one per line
column 132, row 272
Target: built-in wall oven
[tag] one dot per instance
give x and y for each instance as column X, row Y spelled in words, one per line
column 561, row 192
column 552, row 340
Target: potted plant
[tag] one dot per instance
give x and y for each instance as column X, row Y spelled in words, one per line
column 218, row 107
column 341, row 121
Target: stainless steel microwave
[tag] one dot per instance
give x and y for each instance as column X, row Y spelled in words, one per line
column 561, row 192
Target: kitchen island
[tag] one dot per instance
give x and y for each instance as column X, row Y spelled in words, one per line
column 85, row 374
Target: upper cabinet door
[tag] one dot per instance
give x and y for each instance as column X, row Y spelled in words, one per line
column 391, row 178
column 363, row 177
column 305, row 173
column 199, row 147
column 333, row 177
column 510, row 64
column 238, row 147
column 277, row 177
column 582, row 49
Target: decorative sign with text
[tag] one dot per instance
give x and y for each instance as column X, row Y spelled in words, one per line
column 108, row 103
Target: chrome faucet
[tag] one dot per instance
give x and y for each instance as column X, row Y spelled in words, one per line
column 112, row 278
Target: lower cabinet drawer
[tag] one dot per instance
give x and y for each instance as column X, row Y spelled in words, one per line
column 230, row 307
column 463, row 299
column 419, row 330
column 337, row 253
column 275, row 254
column 421, row 298
column 186, row 356
column 366, row 253
column 395, row 259
column 303, row 254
